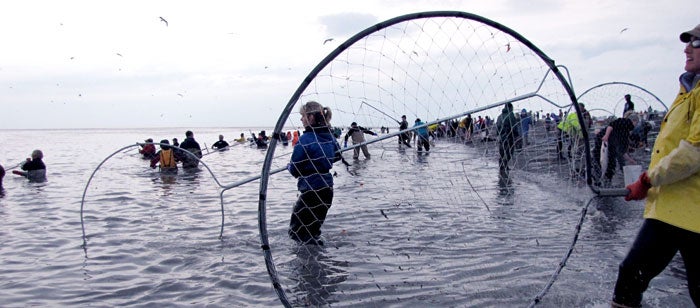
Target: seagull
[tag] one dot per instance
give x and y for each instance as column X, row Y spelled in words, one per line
column 623, row 30
column 118, row 54
column 327, row 40
column 180, row 95
column 163, row 20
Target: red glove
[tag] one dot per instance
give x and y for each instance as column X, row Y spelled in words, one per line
column 638, row 190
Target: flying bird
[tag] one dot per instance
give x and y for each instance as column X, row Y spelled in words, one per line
column 327, row 40
column 623, row 30
column 180, row 95
column 508, row 47
column 118, row 54
column 163, row 20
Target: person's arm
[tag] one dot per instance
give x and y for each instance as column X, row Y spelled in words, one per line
column 608, row 131
column 155, row 160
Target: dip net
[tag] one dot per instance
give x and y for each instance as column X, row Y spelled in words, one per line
column 633, row 132
column 452, row 225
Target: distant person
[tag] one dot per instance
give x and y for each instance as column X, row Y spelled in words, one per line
column 240, row 139
column 148, row 150
column 629, row 105
column 311, row 162
column 404, row 137
column 295, row 138
column 221, row 144
column 357, row 134
column 506, row 126
column 261, row 140
column 2, row 176
column 422, row 136
column 284, row 139
column 289, row 135
column 193, row 147
column 617, row 137
column 166, row 158
column 469, row 125
column 671, row 187
column 587, row 119
column 175, row 143
column 34, row 168
column 525, row 123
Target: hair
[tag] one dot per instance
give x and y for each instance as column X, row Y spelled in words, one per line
column 322, row 115
column 189, row 133
column 37, row 154
column 163, row 146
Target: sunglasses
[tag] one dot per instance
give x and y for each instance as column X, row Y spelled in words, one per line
column 694, row 43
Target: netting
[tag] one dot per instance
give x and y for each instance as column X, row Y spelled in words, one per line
column 446, row 210
column 631, row 117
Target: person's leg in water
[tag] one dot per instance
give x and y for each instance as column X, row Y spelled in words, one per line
column 653, row 248
column 309, row 214
column 365, row 151
column 612, row 160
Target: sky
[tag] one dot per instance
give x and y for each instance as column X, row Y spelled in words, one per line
column 117, row 64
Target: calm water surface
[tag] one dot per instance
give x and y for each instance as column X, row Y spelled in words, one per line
column 407, row 230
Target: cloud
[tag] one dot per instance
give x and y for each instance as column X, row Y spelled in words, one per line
column 347, row 24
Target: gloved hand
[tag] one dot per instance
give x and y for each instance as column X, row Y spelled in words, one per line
column 638, row 190
column 345, row 144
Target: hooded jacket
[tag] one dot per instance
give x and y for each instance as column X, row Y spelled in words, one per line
column 313, row 158
column 674, row 170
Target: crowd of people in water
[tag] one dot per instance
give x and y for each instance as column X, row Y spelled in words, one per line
column 510, row 129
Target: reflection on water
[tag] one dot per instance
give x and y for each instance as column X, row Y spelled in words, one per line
column 315, row 276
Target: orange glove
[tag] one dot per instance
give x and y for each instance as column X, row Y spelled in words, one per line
column 638, row 190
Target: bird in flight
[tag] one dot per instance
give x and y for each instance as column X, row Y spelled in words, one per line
column 508, row 47
column 180, row 95
column 623, row 30
column 327, row 40
column 118, row 54
column 163, row 20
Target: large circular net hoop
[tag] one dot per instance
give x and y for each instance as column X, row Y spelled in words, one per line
column 607, row 104
column 452, row 225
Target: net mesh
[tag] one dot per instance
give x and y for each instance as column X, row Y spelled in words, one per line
column 630, row 116
column 411, row 225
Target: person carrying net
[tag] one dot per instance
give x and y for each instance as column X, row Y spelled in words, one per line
column 311, row 161
column 671, row 187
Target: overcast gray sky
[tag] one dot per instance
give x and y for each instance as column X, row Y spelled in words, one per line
column 114, row 64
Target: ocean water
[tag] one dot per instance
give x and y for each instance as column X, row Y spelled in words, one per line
column 405, row 229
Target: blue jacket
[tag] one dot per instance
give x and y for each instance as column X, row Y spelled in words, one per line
column 313, row 157
column 423, row 131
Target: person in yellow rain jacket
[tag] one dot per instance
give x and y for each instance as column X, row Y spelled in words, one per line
column 671, row 186
column 571, row 127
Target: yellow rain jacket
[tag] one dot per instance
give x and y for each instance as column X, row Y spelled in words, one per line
column 675, row 164
column 570, row 125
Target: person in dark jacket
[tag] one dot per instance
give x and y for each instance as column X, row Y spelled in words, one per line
column 193, row 147
column 221, row 144
column 506, row 126
column 311, row 162
column 357, row 134
column 2, row 176
column 34, row 168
